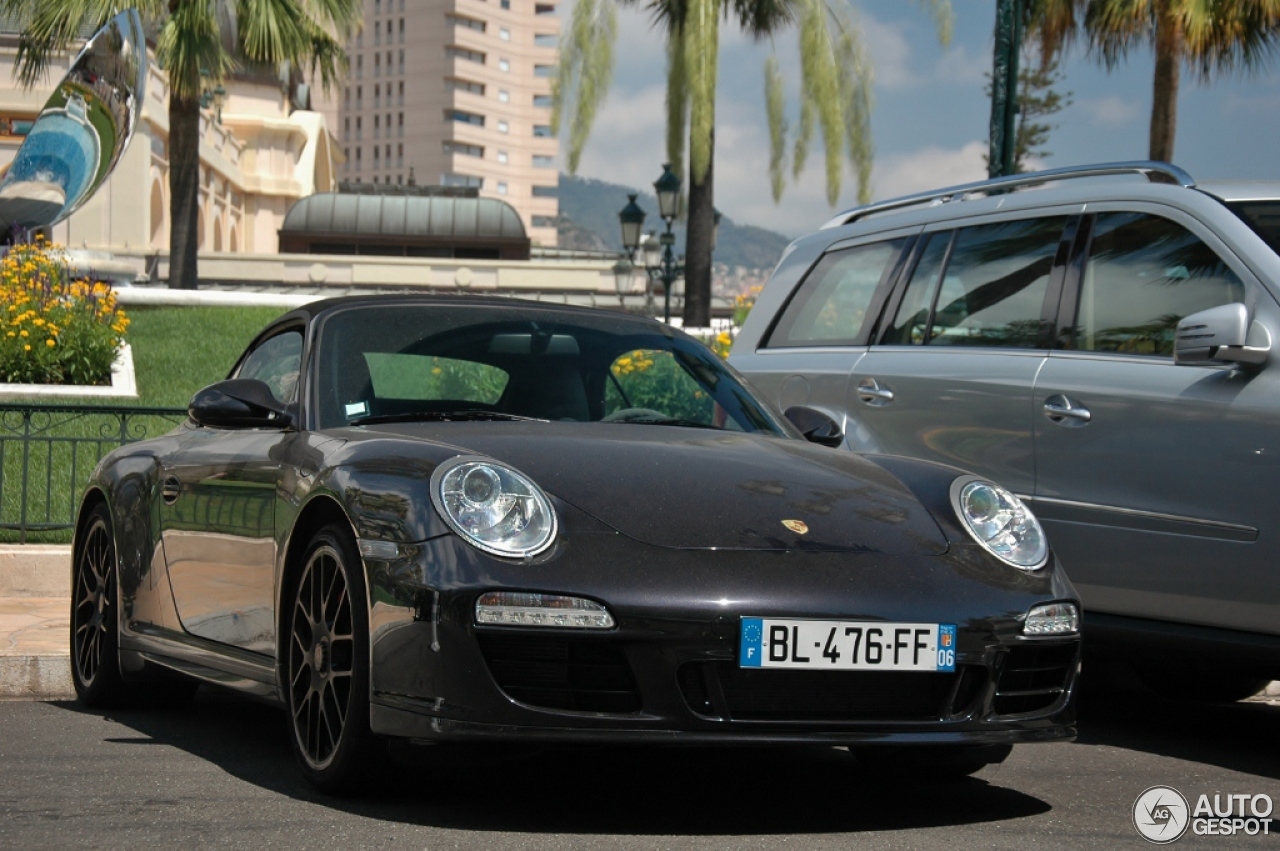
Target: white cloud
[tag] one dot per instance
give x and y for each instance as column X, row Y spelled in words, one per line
column 1110, row 110
column 929, row 168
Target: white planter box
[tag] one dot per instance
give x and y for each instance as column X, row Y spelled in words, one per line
column 123, row 385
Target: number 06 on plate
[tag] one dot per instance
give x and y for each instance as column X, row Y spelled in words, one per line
column 847, row 645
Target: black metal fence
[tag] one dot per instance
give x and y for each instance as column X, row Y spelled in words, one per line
column 47, row 453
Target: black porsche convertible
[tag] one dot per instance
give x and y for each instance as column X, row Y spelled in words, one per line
column 484, row 520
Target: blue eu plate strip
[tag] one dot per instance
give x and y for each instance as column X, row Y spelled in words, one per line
column 749, row 650
column 946, row 647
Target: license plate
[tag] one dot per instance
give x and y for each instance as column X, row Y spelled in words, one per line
column 847, row 645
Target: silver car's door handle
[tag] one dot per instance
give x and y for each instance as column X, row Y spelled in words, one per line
column 1065, row 411
column 873, row 393
column 170, row 490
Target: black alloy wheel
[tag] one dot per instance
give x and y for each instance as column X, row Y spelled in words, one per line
column 95, row 628
column 327, row 664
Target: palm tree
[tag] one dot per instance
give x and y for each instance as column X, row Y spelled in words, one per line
column 198, row 43
column 835, row 98
column 1208, row 36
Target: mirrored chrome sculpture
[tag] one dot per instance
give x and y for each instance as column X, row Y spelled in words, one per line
column 83, row 130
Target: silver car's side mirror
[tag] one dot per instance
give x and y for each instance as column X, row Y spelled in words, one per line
column 84, row 128
column 1222, row 334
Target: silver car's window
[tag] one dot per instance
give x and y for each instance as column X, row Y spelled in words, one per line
column 1144, row 273
column 276, row 362
column 831, row 306
column 993, row 288
column 912, row 320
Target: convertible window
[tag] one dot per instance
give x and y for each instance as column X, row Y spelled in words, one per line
column 276, row 362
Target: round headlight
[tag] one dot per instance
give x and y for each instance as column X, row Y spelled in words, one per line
column 999, row 521
column 494, row 507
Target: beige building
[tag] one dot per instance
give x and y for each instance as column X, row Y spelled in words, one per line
column 455, row 92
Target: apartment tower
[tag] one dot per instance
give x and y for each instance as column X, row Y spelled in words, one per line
column 456, row 92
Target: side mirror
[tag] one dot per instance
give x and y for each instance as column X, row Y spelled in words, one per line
column 239, row 403
column 816, row 426
column 1222, row 334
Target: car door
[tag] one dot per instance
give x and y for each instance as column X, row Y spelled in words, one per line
column 820, row 334
column 218, row 496
column 1156, row 481
column 951, row 376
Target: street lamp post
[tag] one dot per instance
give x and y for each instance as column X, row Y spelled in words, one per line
column 660, row 262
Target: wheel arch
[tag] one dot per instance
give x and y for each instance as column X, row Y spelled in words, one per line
column 319, row 511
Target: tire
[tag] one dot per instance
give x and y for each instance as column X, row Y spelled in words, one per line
column 95, row 622
column 326, row 665
column 929, row 763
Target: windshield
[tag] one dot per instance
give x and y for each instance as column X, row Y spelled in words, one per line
column 1263, row 217
column 379, row 363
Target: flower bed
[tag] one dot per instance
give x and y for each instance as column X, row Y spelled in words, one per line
column 55, row 329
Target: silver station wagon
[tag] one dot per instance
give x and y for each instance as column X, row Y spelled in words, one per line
column 1098, row 340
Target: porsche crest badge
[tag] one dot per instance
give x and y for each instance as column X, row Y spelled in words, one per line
column 797, row 526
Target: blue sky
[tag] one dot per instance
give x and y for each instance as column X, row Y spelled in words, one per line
column 930, row 118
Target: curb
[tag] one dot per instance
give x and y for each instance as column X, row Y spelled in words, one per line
column 35, row 570
column 44, row 677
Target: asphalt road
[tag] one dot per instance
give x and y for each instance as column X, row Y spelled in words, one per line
column 220, row 774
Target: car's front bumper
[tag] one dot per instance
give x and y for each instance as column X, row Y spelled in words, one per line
column 668, row 672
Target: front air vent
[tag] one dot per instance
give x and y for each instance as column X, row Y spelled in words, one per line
column 1034, row 677
column 577, row 674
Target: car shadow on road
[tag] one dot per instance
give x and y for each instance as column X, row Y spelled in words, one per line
column 1237, row 736
column 587, row 790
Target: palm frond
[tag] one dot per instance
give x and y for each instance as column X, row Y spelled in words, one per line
column 584, row 72
column 775, row 106
column 856, row 77
column 190, row 45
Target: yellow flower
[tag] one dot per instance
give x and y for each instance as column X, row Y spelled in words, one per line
column 436, row 370
column 50, row 343
column 26, row 348
column 23, row 333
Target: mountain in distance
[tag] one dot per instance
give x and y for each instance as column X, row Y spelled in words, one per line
column 745, row 255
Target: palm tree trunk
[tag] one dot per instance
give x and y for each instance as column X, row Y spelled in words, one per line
column 698, row 233
column 1164, row 100
column 184, row 192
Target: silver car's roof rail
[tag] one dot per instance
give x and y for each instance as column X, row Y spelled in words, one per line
column 1156, row 172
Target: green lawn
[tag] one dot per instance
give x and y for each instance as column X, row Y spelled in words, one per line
column 176, row 351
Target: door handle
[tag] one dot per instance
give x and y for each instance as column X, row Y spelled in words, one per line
column 873, row 393
column 170, row 490
column 1065, row 411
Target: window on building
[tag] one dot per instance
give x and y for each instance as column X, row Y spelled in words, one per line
column 504, row 96
column 402, row 30
column 544, row 221
column 346, row 95
column 466, row 23
column 546, row 191
column 455, row 52
column 506, row 4
column 466, row 86
column 544, row 101
column 504, row 65
column 454, row 147
column 544, row 70
column 544, row 9
column 464, row 117
column 543, row 161
column 504, row 34
column 377, row 64
column 503, row 127
column 400, row 60
column 502, row 188
column 400, row 92
column 546, row 39
column 450, row 178
column 542, row 131
column 503, row 157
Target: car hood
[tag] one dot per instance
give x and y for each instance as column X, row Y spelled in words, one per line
column 703, row 489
